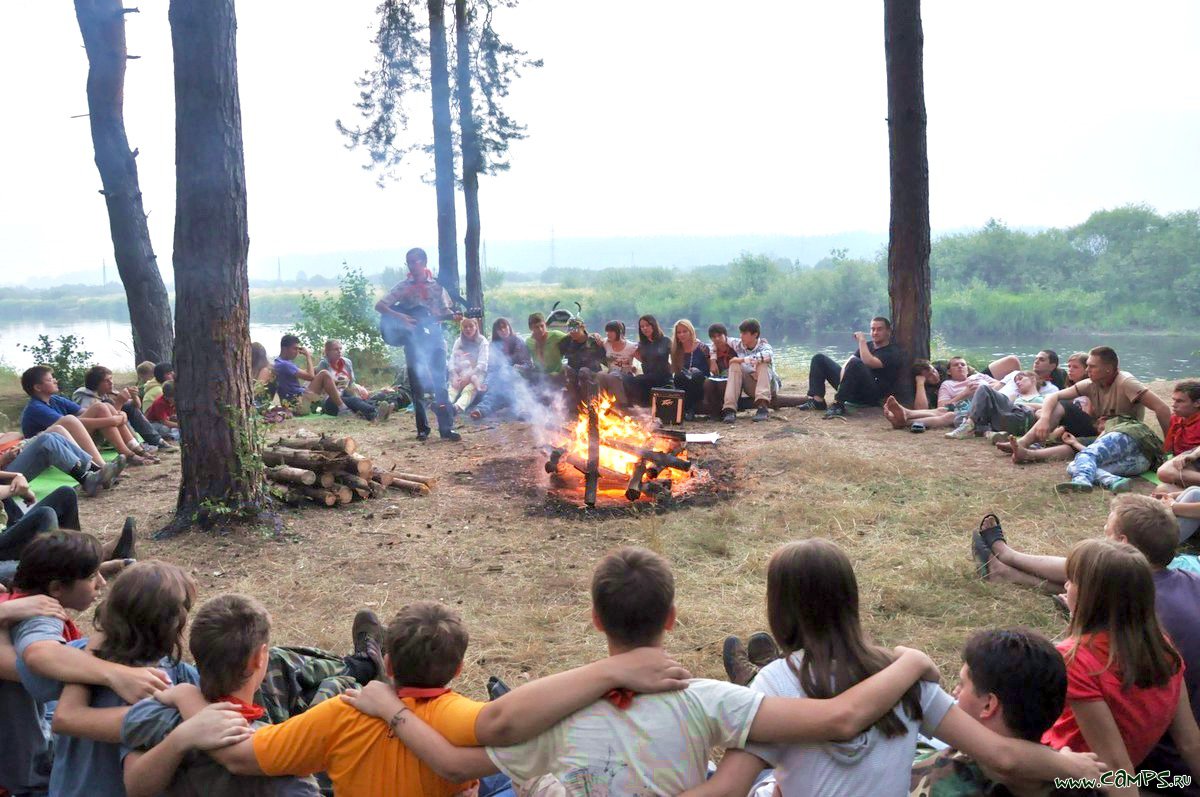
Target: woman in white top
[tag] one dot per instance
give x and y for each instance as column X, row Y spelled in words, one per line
column 812, row 606
column 618, row 354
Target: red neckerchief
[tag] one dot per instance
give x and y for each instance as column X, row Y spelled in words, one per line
column 621, row 698
column 420, row 692
column 71, row 631
column 424, row 285
column 249, row 711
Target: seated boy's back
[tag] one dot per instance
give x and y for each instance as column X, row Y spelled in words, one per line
column 659, row 744
column 149, row 722
column 359, row 752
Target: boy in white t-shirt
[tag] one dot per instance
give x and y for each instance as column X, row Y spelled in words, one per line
column 646, row 744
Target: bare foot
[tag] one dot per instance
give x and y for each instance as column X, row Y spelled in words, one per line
column 1021, row 455
column 1005, row 445
column 895, row 416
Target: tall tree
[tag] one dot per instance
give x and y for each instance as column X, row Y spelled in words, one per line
column 443, row 145
column 407, row 66
column 102, row 23
column 222, row 471
column 908, row 233
column 472, row 157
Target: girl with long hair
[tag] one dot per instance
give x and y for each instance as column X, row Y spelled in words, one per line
column 689, row 365
column 813, row 610
column 1124, row 677
column 141, row 623
column 654, row 353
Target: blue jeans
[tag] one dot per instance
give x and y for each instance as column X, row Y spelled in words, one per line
column 49, row 450
column 497, row 785
column 1108, row 459
column 1188, row 525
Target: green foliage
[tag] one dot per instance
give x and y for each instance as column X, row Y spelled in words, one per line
column 347, row 315
column 493, row 278
column 65, row 356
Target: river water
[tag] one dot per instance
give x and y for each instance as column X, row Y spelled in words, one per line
column 1146, row 356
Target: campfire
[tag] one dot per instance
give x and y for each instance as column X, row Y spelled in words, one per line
column 629, row 455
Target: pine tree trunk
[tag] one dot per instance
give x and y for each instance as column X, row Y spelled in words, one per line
column 102, row 23
column 472, row 158
column 443, row 146
column 222, row 471
column 908, row 242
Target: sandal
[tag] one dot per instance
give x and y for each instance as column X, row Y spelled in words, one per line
column 137, row 460
column 992, row 534
column 981, row 555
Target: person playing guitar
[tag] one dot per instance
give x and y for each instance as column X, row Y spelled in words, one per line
column 410, row 316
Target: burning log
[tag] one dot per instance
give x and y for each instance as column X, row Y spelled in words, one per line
column 634, row 491
column 556, row 453
column 284, row 473
column 592, row 476
column 660, row 458
column 336, row 445
column 580, row 464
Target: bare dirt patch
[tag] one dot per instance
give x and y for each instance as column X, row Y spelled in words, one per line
column 488, row 542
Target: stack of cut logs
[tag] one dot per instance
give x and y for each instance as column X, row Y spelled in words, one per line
column 328, row 471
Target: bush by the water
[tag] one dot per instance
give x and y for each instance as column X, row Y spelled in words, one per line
column 65, row 356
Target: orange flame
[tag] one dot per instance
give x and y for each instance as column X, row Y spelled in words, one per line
column 615, row 426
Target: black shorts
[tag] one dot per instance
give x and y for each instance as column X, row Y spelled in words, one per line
column 1076, row 421
column 988, row 372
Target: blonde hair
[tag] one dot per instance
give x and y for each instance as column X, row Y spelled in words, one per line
column 678, row 355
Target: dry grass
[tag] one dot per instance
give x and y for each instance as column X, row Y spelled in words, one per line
column 901, row 506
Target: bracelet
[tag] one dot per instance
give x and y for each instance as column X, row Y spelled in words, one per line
column 395, row 717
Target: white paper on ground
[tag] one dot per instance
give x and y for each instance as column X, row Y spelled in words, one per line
column 706, row 437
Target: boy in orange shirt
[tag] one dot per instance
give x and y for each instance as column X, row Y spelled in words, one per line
column 425, row 645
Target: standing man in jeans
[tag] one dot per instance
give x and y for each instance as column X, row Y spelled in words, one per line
column 868, row 377
column 411, row 316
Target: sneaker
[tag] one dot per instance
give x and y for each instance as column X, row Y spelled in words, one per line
column 761, row 649
column 148, row 450
column 997, row 437
column 422, row 435
column 812, row 404
column 965, row 429
column 451, row 436
column 93, row 482
column 111, row 470
column 366, row 626
column 125, row 543
column 345, row 411
column 836, row 410
column 688, row 415
column 167, row 447
column 737, row 662
column 1072, row 487
column 383, row 411
column 1121, row 485
column 762, row 414
column 729, row 416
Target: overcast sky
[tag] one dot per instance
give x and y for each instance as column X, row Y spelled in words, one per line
column 649, row 118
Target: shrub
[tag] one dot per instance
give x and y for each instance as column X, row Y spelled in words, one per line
column 65, row 357
column 347, row 315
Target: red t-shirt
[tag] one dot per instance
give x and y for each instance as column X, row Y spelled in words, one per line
column 1183, row 434
column 1142, row 715
column 161, row 410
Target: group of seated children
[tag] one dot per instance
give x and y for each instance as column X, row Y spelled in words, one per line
column 120, row 712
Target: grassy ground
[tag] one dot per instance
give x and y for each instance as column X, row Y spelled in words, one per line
column 486, row 541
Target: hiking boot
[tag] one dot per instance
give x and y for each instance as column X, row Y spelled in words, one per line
column 92, row 482
column 383, row 411
column 762, row 414
column 811, row 404
column 836, row 410
column 761, row 649
column 111, row 470
column 1072, row 487
column 965, row 429
column 366, row 626
column 737, row 662
column 729, row 416
column 451, row 436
